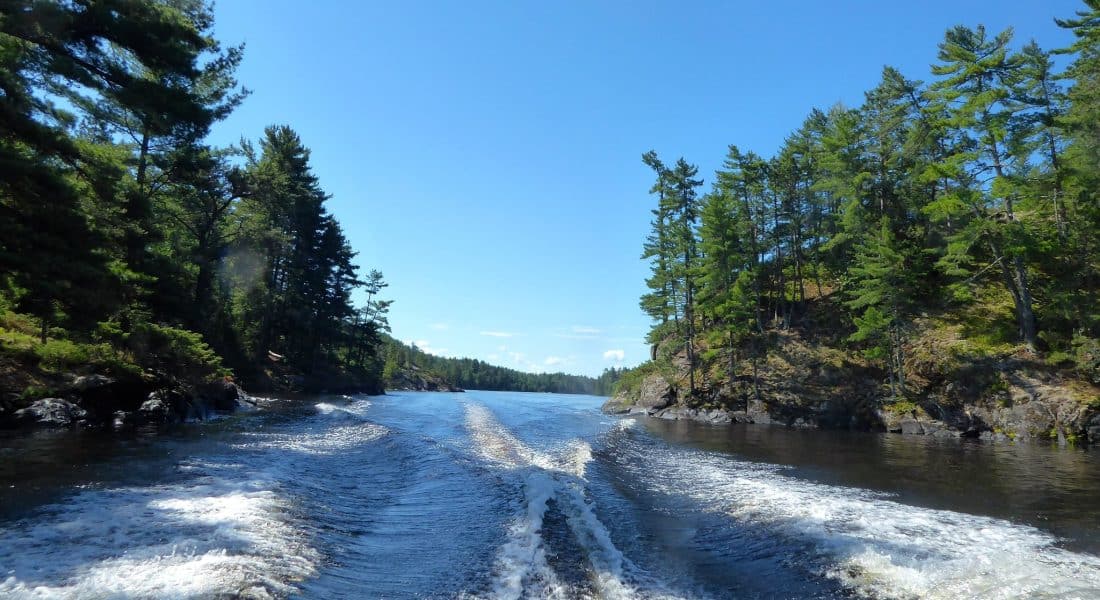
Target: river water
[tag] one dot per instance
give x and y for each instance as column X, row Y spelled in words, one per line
column 506, row 495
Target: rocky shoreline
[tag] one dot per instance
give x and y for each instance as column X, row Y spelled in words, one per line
column 1027, row 412
column 99, row 402
column 412, row 378
column 105, row 403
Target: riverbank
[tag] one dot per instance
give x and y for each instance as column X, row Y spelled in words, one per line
column 954, row 390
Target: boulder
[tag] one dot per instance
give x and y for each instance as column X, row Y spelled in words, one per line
column 1093, row 429
column 170, row 406
column 740, row 416
column 656, row 393
column 103, row 396
column 49, row 412
column 668, row 414
column 91, row 382
column 619, row 405
column 157, row 409
column 911, row 426
column 220, row 395
column 716, row 417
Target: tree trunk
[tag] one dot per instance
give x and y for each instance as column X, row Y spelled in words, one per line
column 1017, row 278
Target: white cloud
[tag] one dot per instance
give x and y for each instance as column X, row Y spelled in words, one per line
column 615, row 355
column 440, row 326
column 493, row 357
column 552, row 360
column 498, row 334
column 583, row 330
column 426, row 347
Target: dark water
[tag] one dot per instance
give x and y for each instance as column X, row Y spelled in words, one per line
column 501, row 495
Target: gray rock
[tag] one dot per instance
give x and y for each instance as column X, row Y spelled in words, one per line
column 122, row 420
column 668, row 414
column 1093, row 433
column 221, row 395
column 740, row 416
column 618, row 406
column 994, row 436
column 716, row 417
column 947, row 433
column 656, row 393
column 90, row 382
column 157, row 409
column 50, row 412
column 911, row 426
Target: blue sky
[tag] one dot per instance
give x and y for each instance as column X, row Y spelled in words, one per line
column 485, row 156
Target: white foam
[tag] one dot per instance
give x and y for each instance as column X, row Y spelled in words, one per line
column 327, row 442
column 872, row 544
column 210, row 536
column 521, row 562
column 558, row 474
column 352, row 410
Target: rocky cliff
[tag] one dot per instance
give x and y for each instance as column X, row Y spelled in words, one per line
column 806, row 383
column 414, row 378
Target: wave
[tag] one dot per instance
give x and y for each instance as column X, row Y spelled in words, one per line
column 555, row 476
column 342, row 427
column 870, row 543
column 213, row 534
column 352, row 410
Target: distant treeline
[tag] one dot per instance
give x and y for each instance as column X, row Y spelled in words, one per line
column 474, row 374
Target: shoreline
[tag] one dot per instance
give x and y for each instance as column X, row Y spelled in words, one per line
column 891, row 423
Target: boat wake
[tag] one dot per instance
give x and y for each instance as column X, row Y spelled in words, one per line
column 214, row 533
column 551, row 479
column 872, row 545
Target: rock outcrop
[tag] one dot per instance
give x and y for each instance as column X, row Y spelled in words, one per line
column 413, row 378
column 803, row 386
column 101, row 402
column 50, row 412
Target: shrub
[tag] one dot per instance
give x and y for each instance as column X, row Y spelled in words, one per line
column 59, row 355
column 630, row 383
column 1086, row 354
column 175, row 351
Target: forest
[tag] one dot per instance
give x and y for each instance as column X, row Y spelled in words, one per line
column 133, row 247
column 469, row 373
column 964, row 206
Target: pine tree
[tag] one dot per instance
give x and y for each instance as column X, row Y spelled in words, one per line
column 881, row 295
column 974, row 102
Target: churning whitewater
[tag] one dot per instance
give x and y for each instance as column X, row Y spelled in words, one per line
column 492, row 495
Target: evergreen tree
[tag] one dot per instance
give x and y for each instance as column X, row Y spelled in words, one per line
column 974, row 100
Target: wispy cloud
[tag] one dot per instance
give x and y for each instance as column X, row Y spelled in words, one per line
column 552, row 360
column 615, row 355
column 585, row 330
column 575, row 336
column 440, row 326
column 426, row 346
column 498, row 334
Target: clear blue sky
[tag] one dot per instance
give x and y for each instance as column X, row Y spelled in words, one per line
column 485, row 156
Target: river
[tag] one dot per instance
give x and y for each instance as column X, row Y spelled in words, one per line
column 508, row 495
